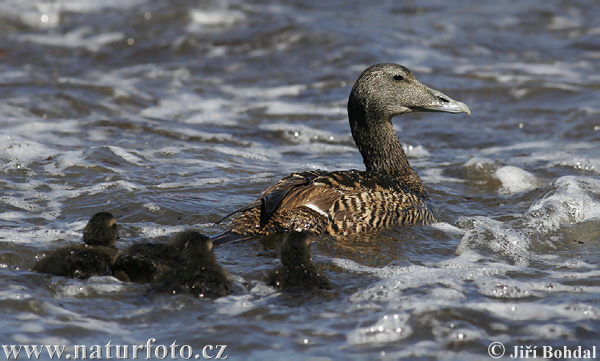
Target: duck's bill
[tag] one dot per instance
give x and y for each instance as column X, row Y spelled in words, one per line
column 445, row 104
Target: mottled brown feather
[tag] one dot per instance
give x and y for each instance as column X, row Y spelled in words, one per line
column 350, row 202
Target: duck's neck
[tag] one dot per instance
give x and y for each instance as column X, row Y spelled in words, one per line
column 381, row 149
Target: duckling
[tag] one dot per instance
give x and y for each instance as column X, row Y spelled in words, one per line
column 143, row 262
column 297, row 270
column 93, row 258
column 199, row 273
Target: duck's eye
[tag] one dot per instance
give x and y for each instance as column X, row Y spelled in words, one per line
column 398, row 77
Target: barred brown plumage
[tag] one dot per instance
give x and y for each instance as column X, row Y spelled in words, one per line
column 341, row 203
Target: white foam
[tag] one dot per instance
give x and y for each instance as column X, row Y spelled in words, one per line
column 537, row 311
column 570, row 156
column 416, row 151
column 258, row 153
column 31, row 327
column 120, row 184
column 15, row 293
column 84, row 6
column 195, row 183
column 12, row 216
column 479, row 163
column 66, row 160
column 259, row 177
column 353, row 266
column 37, row 15
column 63, row 316
column 18, row 149
column 498, row 237
column 545, row 145
column 216, row 17
column 513, row 72
column 37, row 129
column 316, row 150
column 570, row 203
column 190, row 108
column 388, row 289
column 389, row 328
column 515, row 180
column 299, row 133
column 436, row 176
column 447, row 227
column 506, row 288
column 187, row 133
column 48, row 14
column 237, row 304
column 21, row 203
column 96, row 285
column 9, row 77
column 267, row 92
column 126, row 155
column 49, row 340
column 27, row 235
column 155, row 231
column 82, row 37
column 280, row 107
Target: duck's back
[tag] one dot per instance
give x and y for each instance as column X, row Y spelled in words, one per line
column 336, row 203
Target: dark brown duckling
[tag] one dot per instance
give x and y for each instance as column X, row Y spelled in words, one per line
column 143, row 262
column 198, row 273
column 94, row 258
column 342, row 203
column 298, row 270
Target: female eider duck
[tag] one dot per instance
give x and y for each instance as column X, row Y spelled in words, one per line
column 341, row 203
column 93, row 258
column 198, row 273
column 297, row 269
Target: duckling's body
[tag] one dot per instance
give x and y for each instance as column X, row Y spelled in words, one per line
column 198, row 273
column 297, row 270
column 143, row 262
column 343, row 203
column 94, row 258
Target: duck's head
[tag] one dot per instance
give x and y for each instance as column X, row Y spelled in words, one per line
column 101, row 230
column 383, row 91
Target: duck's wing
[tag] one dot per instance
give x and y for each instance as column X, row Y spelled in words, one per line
column 258, row 213
column 270, row 199
column 283, row 191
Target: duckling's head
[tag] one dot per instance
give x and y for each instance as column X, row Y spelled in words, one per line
column 383, row 91
column 295, row 251
column 101, row 230
column 195, row 247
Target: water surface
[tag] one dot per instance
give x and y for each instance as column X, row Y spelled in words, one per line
column 172, row 114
